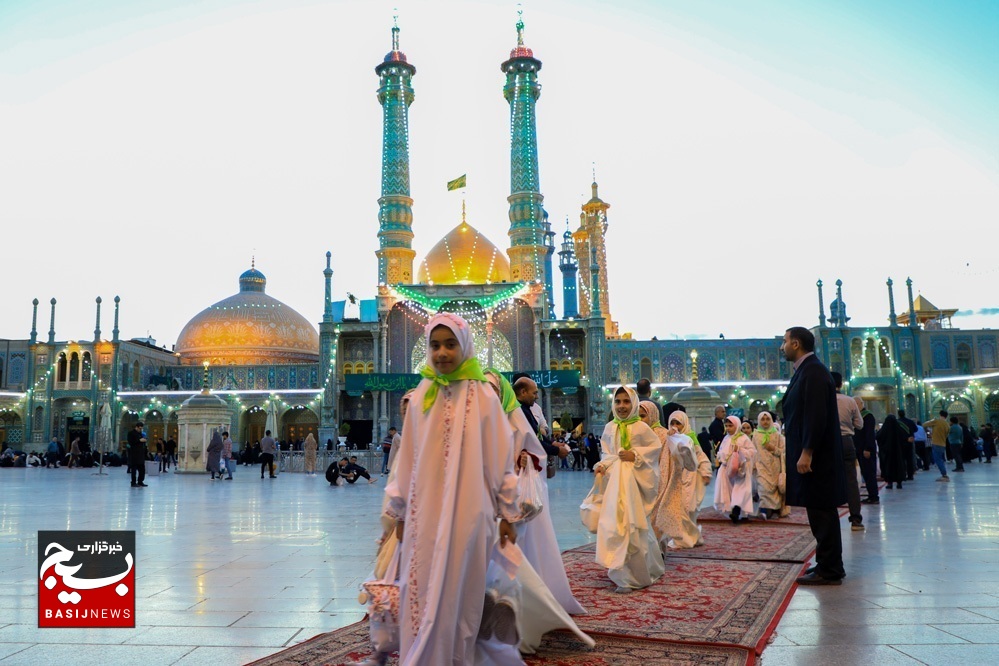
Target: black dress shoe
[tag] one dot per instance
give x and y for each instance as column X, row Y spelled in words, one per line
column 870, row 500
column 815, row 579
column 142, row 485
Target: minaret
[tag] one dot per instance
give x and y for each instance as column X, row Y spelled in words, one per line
column 892, row 319
column 34, row 321
column 328, row 303
column 549, row 251
column 595, row 296
column 912, row 307
column 52, row 323
column 593, row 227
column 114, row 331
column 97, row 327
column 595, row 336
column 567, row 264
column 822, row 308
column 395, row 207
column 527, row 225
column 327, row 361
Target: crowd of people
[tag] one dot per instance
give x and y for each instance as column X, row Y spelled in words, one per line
column 466, row 514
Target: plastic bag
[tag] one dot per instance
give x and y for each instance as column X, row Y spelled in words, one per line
column 733, row 465
column 501, row 605
column 589, row 510
column 530, row 493
column 383, row 608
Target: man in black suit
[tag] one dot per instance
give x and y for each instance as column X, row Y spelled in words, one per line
column 815, row 474
column 137, row 455
column 644, row 390
column 716, row 430
column 526, row 390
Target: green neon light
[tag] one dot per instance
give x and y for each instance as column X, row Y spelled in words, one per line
column 434, row 303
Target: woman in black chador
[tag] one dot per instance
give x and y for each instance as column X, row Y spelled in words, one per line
column 890, row 439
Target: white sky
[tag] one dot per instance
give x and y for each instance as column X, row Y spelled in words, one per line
column 151, row 156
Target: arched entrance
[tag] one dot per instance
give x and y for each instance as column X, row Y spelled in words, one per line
column 254, row 424
column 155, row 427
column 992, row 409
column 11, row 428
column 755, row 408
column 298, row 422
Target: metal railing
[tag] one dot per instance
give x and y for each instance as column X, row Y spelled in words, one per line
column 294, row 461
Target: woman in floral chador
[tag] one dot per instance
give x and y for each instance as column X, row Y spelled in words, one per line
column 734, row 482
column 770, row 461
column 670, row 518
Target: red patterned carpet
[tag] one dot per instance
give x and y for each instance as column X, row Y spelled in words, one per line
column 730, row 602
column 798, row 516
column 716, row 604
column 757, row 543
column 558, row 649
column 725, row 541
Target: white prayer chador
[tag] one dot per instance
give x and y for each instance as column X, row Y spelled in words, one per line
column 737, row 492
column 626, row 543
column 536, row 538
column 454, row 477
column 670, row 518
column 769, row 465
column 695, row 487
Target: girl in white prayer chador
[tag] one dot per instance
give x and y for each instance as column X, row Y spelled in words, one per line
column 734, row 482
column 670, row 518
column 454, row 478
column 769, row 444
column 626, row 542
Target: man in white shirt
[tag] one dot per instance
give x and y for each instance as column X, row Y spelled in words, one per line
column 850, row 421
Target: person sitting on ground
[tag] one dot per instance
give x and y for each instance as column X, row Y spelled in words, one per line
column 33, row 460
column 343, row 469
column 333, row 474
column 359, row 471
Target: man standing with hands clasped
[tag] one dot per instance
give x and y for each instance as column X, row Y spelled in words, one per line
column 815, row 473
column 137, row 455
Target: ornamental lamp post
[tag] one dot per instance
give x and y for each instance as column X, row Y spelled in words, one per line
column 693, row 368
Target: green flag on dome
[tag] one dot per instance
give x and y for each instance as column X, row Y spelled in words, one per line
column 457, row 183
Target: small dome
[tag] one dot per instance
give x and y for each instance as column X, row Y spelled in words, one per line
column 249, row 328
column 252, row 280
column 464, row 256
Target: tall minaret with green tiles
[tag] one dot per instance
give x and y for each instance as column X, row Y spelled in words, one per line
column 528, row 249
column 395, row 207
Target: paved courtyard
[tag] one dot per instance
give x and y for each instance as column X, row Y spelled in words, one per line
column 233, row 571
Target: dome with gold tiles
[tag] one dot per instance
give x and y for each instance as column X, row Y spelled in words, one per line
column 464, row 256
column 249, row 328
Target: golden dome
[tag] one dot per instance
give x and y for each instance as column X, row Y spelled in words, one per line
column 249, row 328
column 464, row 256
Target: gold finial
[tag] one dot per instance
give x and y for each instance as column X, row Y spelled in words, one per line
column 463, row 221
column 253, row 261
column 204, row 382
column 693, row 368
